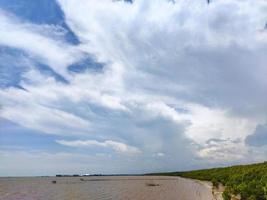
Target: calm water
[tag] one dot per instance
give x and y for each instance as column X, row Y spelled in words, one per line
column 104, row 188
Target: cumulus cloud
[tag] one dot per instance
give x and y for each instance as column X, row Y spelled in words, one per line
column 223, row 150
column 119, row 147
column 208, row 123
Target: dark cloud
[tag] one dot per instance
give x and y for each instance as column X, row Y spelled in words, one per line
column 259, row 137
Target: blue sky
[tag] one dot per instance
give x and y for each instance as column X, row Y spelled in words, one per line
column 131, row 86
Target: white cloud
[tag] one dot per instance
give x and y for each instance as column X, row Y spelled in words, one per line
column 207, row 123
column 119, row 147
column 179, row 51
column 224, row 150
column 160, row 109
column 25, row 109
column 230, row 151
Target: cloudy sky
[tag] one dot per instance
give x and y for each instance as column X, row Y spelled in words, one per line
column 106, row 86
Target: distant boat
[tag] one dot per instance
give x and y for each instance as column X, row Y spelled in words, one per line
column 85, row 174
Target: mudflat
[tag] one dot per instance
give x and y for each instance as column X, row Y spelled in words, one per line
column 104, row 188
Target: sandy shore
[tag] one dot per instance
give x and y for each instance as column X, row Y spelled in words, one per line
column 104, row 188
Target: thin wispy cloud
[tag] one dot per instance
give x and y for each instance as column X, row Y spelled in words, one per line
column 116, row 146
column 43, row 42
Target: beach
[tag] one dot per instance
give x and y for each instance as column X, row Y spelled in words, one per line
column 104, row 188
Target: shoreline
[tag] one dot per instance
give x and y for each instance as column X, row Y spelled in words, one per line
column 216, row 191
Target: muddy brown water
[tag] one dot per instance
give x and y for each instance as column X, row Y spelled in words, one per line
column 104, row 188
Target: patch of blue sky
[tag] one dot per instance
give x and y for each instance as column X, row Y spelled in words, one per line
column 46, row 70
column 14, row 62
column 12, row 66
column 88, row 64
column 40, row 12
column 21, row 138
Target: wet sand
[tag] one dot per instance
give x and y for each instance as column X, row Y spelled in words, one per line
column 104, row 188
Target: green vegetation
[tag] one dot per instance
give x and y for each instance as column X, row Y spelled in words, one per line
column 249, row 181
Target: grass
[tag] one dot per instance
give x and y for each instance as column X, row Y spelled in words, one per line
column 248, row 181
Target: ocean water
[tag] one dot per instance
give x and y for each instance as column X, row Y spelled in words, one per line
column 104, row 188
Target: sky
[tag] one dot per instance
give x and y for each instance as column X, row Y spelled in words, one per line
column 136, row 86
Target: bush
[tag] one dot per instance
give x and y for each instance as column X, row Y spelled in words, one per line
column 226, row 196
